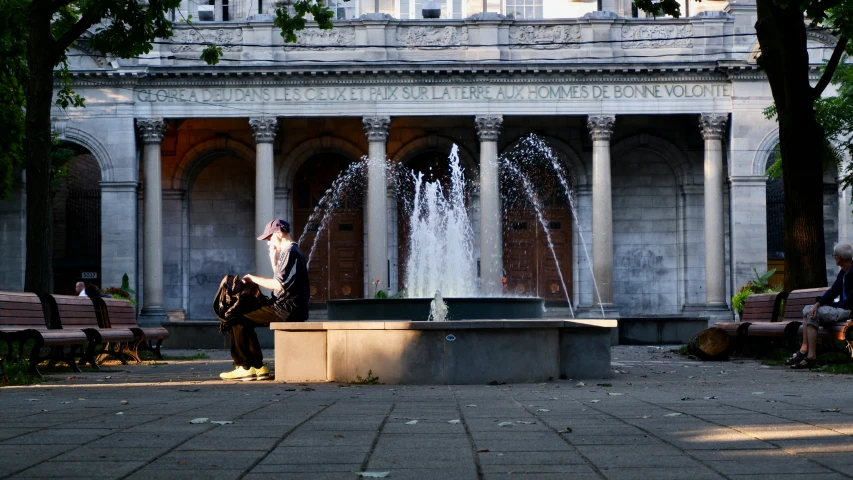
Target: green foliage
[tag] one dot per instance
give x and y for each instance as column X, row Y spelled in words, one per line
column 400, row 294
column 211, row 54
column 13, row 73
column 759, row 284
column 368, row 380
column 17, row 371
column 381, row 294
column 292, row 18
column 124, row 292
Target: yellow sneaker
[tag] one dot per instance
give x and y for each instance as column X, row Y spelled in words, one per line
column 262, row 373
column 239, row 373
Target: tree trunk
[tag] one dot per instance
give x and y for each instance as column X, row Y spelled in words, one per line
column 784, row 57
column 709, row 344
column 37, row 147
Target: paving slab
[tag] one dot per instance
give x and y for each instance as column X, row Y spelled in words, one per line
column 661, row 416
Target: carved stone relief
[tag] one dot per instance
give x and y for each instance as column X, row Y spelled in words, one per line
column 545, row 37
column 426, row 37
column 322, row 39
column 195, row 40
column 657, row 36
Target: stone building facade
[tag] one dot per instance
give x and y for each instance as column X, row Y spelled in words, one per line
column 658, row 121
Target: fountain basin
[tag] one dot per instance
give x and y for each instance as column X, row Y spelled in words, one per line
column 459, row 352
column 417, row 309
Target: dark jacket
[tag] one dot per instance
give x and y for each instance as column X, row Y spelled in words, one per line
column 843, row 288
column 234, row 299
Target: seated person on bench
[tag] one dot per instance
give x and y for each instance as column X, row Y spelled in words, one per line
column 827, row 309
column 289, row 302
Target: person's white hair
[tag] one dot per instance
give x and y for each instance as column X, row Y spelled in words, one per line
column 844, row 251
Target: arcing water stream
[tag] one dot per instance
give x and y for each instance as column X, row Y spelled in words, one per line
column 441, row 238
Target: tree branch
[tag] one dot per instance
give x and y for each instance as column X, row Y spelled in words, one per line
column 55, row 5
column 817, row 91
column 73, row 33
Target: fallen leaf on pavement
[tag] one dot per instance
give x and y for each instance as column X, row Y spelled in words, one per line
column 672, row 414
column 543, row 410
column 199, row 420
column 413, row 422
column 454, row 422
column 221, row 422
column 831, row 410
column 594, row 401
column 505, row 424
column 373, row 474
column 565, row 430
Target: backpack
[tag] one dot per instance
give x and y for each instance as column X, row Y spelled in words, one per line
column 234, row 299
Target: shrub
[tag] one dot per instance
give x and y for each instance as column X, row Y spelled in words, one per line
column 759, row 284
column 124, row 292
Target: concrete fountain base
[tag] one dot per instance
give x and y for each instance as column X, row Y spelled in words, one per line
column 416, row 309
column 458, row 352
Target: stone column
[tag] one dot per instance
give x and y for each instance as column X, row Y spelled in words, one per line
column 376, row 131
column 264, row 131
column 491, row 234
column 713, row 126
column 600, row 128
column 151, row 130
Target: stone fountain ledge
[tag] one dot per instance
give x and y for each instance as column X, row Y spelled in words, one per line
column 455, row 352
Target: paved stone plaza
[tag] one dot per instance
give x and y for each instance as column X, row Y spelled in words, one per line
column 660, row 417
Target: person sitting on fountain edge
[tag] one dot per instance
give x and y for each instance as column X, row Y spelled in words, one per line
column 289, row 302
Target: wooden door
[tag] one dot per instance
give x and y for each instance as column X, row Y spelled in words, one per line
column 336, row 266
column 549, row 285
column 520, row 253
column 529, row 264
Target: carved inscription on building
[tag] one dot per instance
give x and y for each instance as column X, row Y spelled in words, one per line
column 657, row 36
column 195, row 40
column 316, row 39
column 545, row 37
column 464, row 93
column 432, row 37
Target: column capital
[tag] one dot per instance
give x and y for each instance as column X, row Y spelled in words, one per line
column 376, row 128
column 713, row 125
column 263, row 129
column 488, row 127
column 151, row 129
column 600, row 126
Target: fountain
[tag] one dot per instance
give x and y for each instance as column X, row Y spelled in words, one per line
column 429, row 338
column 441, row 257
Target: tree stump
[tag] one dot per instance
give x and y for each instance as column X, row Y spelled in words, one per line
column 710, row 344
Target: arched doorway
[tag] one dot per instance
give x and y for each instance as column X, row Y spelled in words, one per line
column 336, row 266
column 76, row 210
column 221, row 227
column 529, row 264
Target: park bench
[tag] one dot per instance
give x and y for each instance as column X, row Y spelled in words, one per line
column 22, row 319
column 72, row 312
column 790, row 320
column 842, row 331
column 757, row 308
column 114, row 313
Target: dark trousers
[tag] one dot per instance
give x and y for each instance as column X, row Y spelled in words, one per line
column 245, row 347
